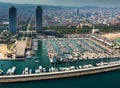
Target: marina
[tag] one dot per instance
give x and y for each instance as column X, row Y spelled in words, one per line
column 60, row 50
column 74, row 57
column 54, row 46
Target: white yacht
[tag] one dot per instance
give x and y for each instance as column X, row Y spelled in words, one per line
column 8, row 72
column 13, row 70
column 26, row 70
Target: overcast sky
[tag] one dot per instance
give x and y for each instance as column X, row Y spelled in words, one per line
column 101, row 3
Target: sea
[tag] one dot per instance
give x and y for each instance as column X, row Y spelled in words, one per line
column 101, row 80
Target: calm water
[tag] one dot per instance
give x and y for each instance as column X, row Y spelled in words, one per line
column 109, row 79
column 117, row 40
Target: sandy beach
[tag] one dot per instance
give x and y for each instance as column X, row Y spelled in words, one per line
column 112, row 35
column 3, row 51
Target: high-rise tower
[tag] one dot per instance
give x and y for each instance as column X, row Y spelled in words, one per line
column 38, row 18
column 78, row 12
column 12, row 19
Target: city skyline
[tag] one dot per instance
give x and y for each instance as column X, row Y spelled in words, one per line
column 78, row 3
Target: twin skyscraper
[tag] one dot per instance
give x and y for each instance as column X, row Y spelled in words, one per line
column 13, row 19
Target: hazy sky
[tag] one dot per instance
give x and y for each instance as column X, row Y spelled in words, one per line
column 102, row 3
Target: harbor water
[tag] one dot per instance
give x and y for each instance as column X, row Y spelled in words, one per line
column 117, row 40
column 108, row 79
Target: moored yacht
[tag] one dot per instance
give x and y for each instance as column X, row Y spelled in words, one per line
column 13, row 70
column 1, row 72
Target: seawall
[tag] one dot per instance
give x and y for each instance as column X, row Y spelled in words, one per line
column 60, row 74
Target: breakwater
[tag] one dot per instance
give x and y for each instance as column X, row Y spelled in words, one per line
column 61, row 74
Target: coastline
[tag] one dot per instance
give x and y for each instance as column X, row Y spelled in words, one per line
column 112, row 36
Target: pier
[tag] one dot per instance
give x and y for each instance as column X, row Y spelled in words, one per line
column 20, row 49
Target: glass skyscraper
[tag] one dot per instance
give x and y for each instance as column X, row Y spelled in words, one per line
column 38, row 18
column 12, row 19
column 77, row 12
